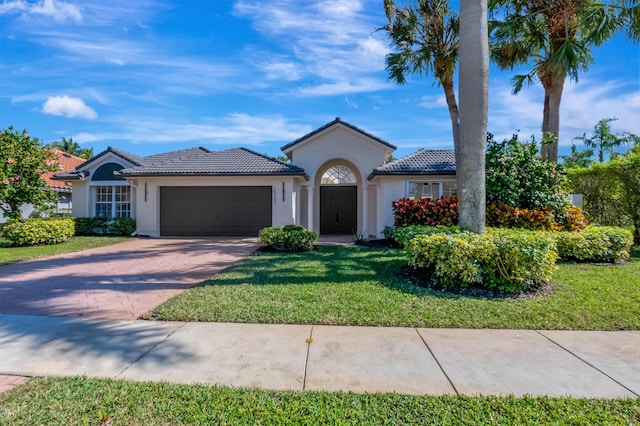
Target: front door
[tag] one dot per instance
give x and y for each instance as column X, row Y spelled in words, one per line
column 338, row 209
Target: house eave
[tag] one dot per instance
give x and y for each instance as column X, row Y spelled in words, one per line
column 375, row 174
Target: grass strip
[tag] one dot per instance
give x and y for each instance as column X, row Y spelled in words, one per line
column 82, row 401
column 9, row 254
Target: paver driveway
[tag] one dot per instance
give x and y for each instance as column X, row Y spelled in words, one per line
column 121, row 281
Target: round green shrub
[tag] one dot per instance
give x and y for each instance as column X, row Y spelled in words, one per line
column 402, row 235
column 595, row 244
column 33, row 232
column 506, row 260
column 287, row 238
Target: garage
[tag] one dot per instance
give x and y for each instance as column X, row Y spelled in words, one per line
column 215, row 210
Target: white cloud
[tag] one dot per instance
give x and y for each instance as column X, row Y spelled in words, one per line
column 350, row 103
column 60, row 11
column 583, row 105
column 334, row 41
column 433, row 102
column 237, row 129
column 285, row 70
column 344, row 87
column 68, row 107
column 85, row 137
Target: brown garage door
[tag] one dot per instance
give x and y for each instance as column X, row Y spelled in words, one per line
column 214, row 210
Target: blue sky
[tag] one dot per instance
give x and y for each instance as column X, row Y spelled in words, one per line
column 150, row 76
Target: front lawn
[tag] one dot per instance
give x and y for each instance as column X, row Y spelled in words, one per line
column 356, row 285
column 10, row 254
column 79, row 400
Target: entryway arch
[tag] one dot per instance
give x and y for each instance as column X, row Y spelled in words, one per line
column 338, row 181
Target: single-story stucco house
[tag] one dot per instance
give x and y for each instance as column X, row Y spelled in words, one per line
column 338, row 181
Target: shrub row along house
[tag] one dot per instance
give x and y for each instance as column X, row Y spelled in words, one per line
column 338, row 182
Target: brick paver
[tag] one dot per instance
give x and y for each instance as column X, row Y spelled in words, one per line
column 10, row 382
column 121, row 281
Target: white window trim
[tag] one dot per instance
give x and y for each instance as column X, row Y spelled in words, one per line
column 439, row 182
column 93, row 190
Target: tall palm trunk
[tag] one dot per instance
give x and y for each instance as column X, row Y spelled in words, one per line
column 553, row 87
column 450, row 96
column 474, row 94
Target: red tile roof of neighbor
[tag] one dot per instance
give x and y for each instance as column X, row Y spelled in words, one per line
column 67, row 162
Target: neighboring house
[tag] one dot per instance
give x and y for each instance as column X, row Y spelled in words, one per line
column 67, row 162
column 337, row 183
column 62, row 188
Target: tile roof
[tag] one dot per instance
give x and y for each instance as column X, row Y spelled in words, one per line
column 423, row 162
column 68, row 162
column 338, row 120
column 76, row 174
column 203, row 162
column 197, row 161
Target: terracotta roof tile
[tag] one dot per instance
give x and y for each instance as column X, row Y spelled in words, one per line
column 67, row 162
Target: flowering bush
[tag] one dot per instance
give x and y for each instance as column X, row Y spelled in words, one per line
column 517, row 176
column 443, row 211
column 22, row 162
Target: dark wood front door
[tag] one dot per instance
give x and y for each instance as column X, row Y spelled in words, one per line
column 338, row 209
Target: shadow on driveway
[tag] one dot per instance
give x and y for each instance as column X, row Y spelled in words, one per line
column 121, row 281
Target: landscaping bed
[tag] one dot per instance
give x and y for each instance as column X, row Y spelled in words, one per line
column 360, row 285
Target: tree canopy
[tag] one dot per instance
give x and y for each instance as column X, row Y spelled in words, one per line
column 23, row 161
column 555, row 38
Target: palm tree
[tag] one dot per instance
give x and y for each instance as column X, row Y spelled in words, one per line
column 474, row 93
column 604, row 140
column 67, row 145
column 86, row 153
column 555, row 37
column 71, row 147
column 577, row 158
column 424, row 35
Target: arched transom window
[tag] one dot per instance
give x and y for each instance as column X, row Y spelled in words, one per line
column 338, row 175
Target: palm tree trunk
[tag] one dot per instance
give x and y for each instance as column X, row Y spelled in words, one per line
column 450, row 96
column 474, row 94
column 553, row 86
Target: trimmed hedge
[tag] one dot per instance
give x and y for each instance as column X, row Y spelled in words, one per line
column 595, row 244
column 404, row 234
column 506, row 260
column 287, row 238
column 33, row 232
column 119, row 226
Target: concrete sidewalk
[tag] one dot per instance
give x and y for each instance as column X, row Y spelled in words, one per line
column 305, row 357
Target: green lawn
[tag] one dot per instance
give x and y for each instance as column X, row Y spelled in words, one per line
column 355, row 285
column 80, row 401
column 10, row 254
